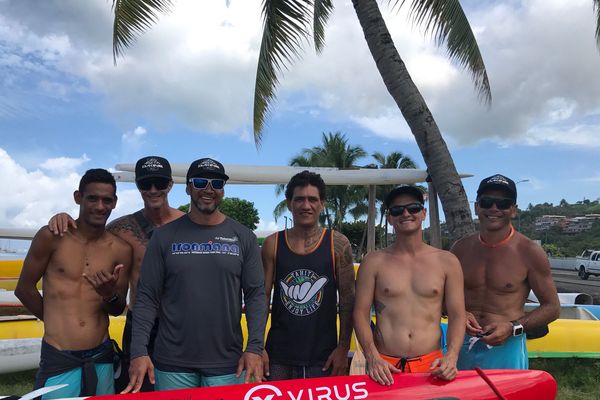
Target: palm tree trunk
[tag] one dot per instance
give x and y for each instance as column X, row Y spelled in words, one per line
column 416, row 113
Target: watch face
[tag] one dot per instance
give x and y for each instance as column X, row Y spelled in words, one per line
column 517, row 330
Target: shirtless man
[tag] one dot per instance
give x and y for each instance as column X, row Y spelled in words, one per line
column 85, row 275
column 309, row 266
column 154, row 181
column 409, row 283
column 500, row 266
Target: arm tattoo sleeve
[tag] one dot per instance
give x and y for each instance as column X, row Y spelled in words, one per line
column 344, row 268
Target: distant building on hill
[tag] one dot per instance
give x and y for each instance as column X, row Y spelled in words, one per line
column 567, row 225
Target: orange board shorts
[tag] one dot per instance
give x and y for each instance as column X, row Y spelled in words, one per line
column 414, row 364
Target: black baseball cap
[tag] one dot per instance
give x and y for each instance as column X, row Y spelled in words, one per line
column 152, row 167
column 498, row 182
column 404, row 189
column 206, row 166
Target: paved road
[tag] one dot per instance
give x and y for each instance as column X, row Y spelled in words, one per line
column 567, row 281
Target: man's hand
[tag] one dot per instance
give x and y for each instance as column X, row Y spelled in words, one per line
column 138, row 368
column 473, row 327
column 59, row 223
column 253, row 365
column 444, row 368
column 103, row 282
column 497, row 333
column 338, row 360
column 265, row 362
column 380, row 370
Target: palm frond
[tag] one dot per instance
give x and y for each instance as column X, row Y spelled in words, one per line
column 132, row 18
column 446, row 21
column 286, row 24
column 323, row 9
column 597, row 9
column 280, row 209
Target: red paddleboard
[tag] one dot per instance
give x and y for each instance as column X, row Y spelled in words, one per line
column 493, row 385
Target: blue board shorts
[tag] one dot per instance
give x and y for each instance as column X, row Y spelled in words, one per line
column 511, row 355
column 78, row 369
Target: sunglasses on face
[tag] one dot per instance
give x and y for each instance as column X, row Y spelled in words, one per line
column 158, row 183
column 412, row 208
column 202, row 183
column 502, row 203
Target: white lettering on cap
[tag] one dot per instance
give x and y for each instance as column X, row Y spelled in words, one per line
column 209, row 164
column 498, row 179
column 152, row 164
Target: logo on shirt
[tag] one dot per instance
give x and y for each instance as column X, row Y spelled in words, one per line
column 210, row 247
column 302, row 292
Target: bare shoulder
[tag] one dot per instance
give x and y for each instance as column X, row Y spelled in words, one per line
column 533, row 254
column 268, row 246
column 464, row 243
column 340, row 242
column 128, row 229
column 44, row 238
column 118, row 244
column 375, row 259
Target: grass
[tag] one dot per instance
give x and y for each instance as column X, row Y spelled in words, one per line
column 578, row 379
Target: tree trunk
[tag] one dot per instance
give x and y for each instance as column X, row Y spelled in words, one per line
column 405, row 93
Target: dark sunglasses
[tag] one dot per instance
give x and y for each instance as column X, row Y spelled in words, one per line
column 202, row 183
column 158, row 183
column 502, row 203
column 412, row 208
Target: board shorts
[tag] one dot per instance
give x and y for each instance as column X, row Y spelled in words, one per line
column 413, row 364
column 86, row 372
column 279, row 371
column 510, row 355
column 168, row 377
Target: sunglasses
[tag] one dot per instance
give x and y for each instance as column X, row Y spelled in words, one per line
column 412, row 208
column 202, row 183
column 502, row 203
column 158, row 183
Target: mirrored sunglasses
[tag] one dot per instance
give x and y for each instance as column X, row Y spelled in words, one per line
column 412, row 208
column 158, row 183
column 502, row 203
column 202, row 183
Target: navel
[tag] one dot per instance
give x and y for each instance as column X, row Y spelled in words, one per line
column 386, row 290
column 82, row 323
column 61, row 270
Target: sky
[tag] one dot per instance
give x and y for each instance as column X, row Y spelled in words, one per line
column 184, row 91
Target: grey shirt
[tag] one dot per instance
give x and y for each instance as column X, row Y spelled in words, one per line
column 193, row 277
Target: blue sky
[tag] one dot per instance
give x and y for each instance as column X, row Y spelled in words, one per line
column 185, row 91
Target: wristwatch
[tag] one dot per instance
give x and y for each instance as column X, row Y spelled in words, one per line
column 517, row 328
column 113, row 299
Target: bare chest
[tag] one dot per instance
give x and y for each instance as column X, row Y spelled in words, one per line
column 409, row 282
column 500, row 270
column 72, row 260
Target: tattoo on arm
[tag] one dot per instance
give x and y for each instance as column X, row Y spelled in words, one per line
column 128, row 224
column 344, row 270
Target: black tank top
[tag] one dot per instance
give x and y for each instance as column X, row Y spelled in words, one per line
column 304, row 310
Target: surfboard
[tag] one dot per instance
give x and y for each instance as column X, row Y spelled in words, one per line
column 469, row 385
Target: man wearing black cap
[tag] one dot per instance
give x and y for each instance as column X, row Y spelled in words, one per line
column 154, row 181
column 193, row 276
column 409, row 283
column 500, row 267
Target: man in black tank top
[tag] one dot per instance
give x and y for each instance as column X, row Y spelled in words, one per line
column 308, row 268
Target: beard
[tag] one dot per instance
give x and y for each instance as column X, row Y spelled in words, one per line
column 207, row 210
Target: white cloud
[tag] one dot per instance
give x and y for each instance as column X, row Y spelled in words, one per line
column 35, row 196
column 198, row 65
column 62, row 165
column 265, row 228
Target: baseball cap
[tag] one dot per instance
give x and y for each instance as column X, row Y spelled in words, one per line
column 498, row 182
column 404, row 189
column 206, row 166
column 152, row 167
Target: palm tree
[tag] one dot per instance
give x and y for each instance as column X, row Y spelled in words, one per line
column 288, row 23
column 333, row 152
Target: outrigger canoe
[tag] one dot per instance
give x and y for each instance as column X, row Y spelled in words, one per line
column 469, row 385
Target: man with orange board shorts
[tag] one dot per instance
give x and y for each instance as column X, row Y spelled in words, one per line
column 409, row 283
column 85, row 274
